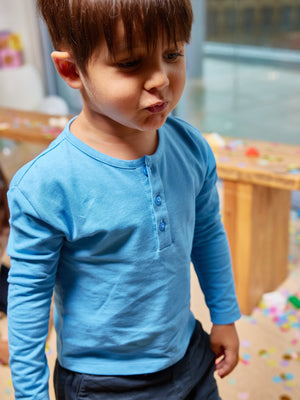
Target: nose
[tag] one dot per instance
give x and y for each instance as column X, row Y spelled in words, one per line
column 157, row 77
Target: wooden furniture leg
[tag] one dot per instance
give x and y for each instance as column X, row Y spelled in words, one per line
column 256, row 219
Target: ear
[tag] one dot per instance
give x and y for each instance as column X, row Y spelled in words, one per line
column 67, row 68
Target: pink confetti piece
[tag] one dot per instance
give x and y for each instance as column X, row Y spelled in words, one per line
column 284, row 363
column 245, row 343
column 243, row 395
column 244, row 362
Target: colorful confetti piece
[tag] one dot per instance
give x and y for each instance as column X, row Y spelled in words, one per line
column 243, row 395
column 245, row 343
column 231, row 381
column 245, row 358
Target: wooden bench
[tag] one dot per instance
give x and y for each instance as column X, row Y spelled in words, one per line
column 256, row 199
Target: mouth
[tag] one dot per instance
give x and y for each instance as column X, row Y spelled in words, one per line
column 158, row 107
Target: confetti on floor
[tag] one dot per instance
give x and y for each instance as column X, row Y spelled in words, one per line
column 286, row 316
column 243, row 395
column 245, row 358
column 8, row 387
column 278, row 356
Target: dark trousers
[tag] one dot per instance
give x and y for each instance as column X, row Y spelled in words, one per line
column 192, row 378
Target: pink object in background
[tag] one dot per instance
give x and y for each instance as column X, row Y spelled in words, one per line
column 11, row 50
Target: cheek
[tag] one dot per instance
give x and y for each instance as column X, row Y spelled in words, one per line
column 179, row 80
column 119, row 91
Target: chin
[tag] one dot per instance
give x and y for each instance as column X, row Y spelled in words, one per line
column 155, row 122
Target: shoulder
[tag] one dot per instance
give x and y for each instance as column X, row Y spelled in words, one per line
column 41, row 189
column 187, row 138
column 46, row 165
column 181, row 126
column 41, row 184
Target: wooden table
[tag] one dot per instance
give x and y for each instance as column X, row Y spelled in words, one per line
column 30, row 126
column 258, row 178
column 31, row 133
column 256, row 203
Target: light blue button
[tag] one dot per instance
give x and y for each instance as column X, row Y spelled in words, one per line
column 162, row 226
column 158, row 200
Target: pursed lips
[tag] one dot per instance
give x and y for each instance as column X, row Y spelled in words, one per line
column 157, row 107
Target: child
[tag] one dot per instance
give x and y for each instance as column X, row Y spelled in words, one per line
column 111, row 215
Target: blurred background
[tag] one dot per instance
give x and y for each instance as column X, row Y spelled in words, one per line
column 243, row 67
column 246, row 79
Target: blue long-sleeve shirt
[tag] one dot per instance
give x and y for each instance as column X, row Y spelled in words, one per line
column 115, row 239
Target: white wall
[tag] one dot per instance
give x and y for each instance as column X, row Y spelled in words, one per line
column 20, row 16
column 23, row 87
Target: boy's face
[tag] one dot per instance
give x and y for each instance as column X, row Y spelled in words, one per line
column 133, row 92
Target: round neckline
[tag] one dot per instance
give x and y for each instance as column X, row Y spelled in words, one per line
column 117, row 162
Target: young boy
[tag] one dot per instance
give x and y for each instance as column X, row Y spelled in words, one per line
column 112, row 214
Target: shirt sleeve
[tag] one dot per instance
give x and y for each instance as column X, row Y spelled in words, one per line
column 34, row 248
column 210, row 252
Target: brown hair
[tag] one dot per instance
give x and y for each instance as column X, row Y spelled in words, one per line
column 80, row 26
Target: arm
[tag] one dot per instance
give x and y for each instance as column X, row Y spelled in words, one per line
column 212, row 263
column 34, row 249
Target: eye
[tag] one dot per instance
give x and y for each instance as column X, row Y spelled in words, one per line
column 130, row 64
column 171, row 57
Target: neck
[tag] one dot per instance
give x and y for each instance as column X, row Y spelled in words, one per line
column 120, row 142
